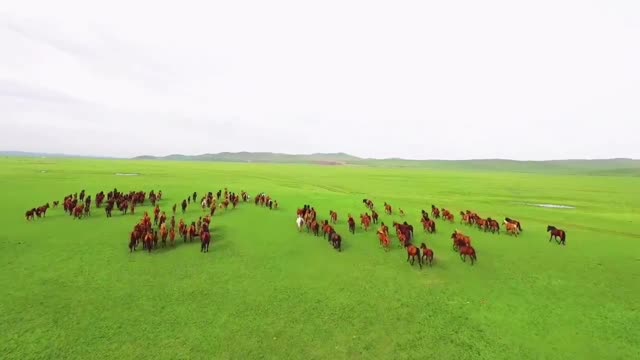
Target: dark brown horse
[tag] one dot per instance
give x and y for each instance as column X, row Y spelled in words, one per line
column 493, row 226
column 559, row 234
column 133, row 241
column 336, row 241
column 352, row 225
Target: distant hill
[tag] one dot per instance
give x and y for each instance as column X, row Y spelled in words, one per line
column 612, row 167
column 48, row 155
column 621, row 166
column 262, row 157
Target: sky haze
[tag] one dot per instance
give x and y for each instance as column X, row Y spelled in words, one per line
column 413, row 79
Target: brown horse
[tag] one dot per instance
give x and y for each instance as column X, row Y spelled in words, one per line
column 148, row 241
column 513, row 221
column 334, row 216
column 493, row 226
column 133, row 241
column 315, row 228
column 402, row 238
column 435, row 212
column 164, row 233
column 559, row 234
column 327, row 230
column 429, row 225
column 412, row 253
column 468, row 251
column 512, row 229
column 336, row 241
column 384, row 240
column 482, row 224
column 427, row 254
column 352, row 225
column 365, row 221
column 388, row 209
column 374, row 216
column 460, row 240
column 205, row 239
column 172, row 236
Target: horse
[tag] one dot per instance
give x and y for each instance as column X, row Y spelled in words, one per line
column 460, row 240
column 412, row 253
column 402, row 238
column 468, row 251
column 374, row 217
column 429, row 225
column 163, row 234
column 557, row 234
column 482, row 224
column 300, row 222
column 512, row 228
column 133, row 241
column 334, row 216
column 352, row 225
column 365, row 221
column 404, row 232
column 384, row 240
column 336, row 241
column 205, row 239
column 387, row 209
column 172, row 236
column 315, row 228
column 513, row 221
column 148, row 241
column 448, row 216
column 427, row 254
column 493, row 225
column 435, row 212
column 30, row 214
column 327, row 230
column 401, row 212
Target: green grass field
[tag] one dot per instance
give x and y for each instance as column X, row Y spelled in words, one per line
column 72, row 290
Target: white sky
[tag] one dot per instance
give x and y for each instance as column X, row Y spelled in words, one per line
column 415, row 79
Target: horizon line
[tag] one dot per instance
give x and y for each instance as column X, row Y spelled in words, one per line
column 9, row 153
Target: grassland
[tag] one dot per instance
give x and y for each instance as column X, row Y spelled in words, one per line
column 71, row 289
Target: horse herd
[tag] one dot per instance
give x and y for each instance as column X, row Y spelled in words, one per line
column 162, row 231
column 307, row 217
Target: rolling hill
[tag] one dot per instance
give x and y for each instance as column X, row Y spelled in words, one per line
column 596, row 167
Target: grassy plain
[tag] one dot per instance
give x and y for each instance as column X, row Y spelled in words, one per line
column 71, row 289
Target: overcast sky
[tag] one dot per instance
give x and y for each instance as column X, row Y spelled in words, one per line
column 415, row 79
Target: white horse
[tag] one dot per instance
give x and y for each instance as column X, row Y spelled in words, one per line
column 300, row 222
